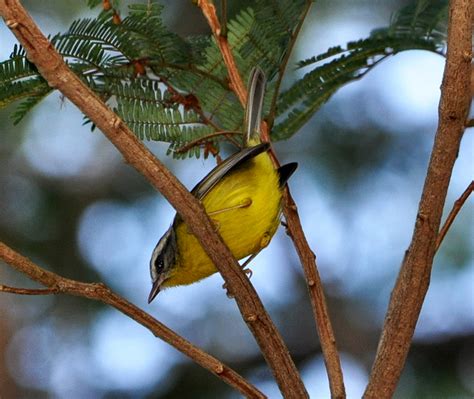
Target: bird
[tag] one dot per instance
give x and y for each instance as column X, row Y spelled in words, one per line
column 243, row 198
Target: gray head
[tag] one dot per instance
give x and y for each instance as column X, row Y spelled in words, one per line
column 162, row 260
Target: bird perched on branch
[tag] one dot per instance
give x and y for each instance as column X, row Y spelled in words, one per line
column 242, row 196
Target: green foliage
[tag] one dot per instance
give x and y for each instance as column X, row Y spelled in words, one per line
column 417, row 26
column 423, row 18
column 20, row 81
column 97, row 42
column 37, row 89
column 175, row 89
column 151, row 114
column 95, row 3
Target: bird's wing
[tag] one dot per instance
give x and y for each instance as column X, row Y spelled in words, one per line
column 230, row 164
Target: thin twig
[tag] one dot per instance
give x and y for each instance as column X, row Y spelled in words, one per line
column 29, row 291
column 285, row 60
column 318, row 302
column 237, row 85
column 316, row 294
column 188, row 67
column 306, row 255
column 59, row 76
column 413, row 280
column 56, row 284
column 224, row 18
column 315, row 288
column 188, row 102
column 454, row 212
column 205, row 138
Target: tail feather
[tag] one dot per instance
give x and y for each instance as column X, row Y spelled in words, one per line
column 256, row 93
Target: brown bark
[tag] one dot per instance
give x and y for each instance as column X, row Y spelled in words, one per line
column 413, row 280
column 99, row 292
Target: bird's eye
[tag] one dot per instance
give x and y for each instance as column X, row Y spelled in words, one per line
column 159, row 264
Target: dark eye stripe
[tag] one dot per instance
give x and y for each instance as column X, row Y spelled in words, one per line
column 159, row 264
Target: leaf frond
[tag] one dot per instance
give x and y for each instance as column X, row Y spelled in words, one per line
column 146, row 108
column 25, row 106
column 176, row 89
column 417, row 26
column 17, row 67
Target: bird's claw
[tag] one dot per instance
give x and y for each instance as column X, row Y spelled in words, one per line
column 249, row 274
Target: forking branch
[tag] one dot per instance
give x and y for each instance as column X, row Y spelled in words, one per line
column 395, row 340
column 453, row 213
column 56, row 284
column 414, row 276
column 294, row 228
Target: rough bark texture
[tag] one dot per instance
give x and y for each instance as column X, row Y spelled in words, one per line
column 413, row 281
column 99, row 292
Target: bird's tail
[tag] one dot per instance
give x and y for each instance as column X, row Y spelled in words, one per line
column 253, row 115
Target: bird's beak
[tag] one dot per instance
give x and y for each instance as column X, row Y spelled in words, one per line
column 155, row 289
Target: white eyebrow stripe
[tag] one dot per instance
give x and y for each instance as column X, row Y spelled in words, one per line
column 160, row 246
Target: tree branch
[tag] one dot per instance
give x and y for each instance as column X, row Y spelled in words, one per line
column 28, row 291
column 200, row 140
column 237, row 85
column 285, row 60
column 306, row 255
column 413, row 280
column 53, row 69
column 56, row 284
column 454, row 212
column 316, row 293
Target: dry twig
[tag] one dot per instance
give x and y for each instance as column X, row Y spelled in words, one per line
column 307, row 258
column 56, row 284
column 200, row 140
column 454, row 212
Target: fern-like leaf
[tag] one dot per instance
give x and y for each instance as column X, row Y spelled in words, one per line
column 151, row 38
column 417, row 26
column 257, row 36
column 19, row 80
column 25, row 106
column 100, row 31
column 176, row 89
column 148, row 111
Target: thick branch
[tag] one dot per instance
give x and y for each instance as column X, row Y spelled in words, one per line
column 58, row 75
column 56, row 284
column 412, row 283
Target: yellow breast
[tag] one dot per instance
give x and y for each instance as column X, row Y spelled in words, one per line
column 245, row 208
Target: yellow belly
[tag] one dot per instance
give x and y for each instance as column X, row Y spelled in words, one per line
column 245, row 230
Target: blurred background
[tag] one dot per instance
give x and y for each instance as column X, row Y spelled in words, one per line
column 70, row 203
